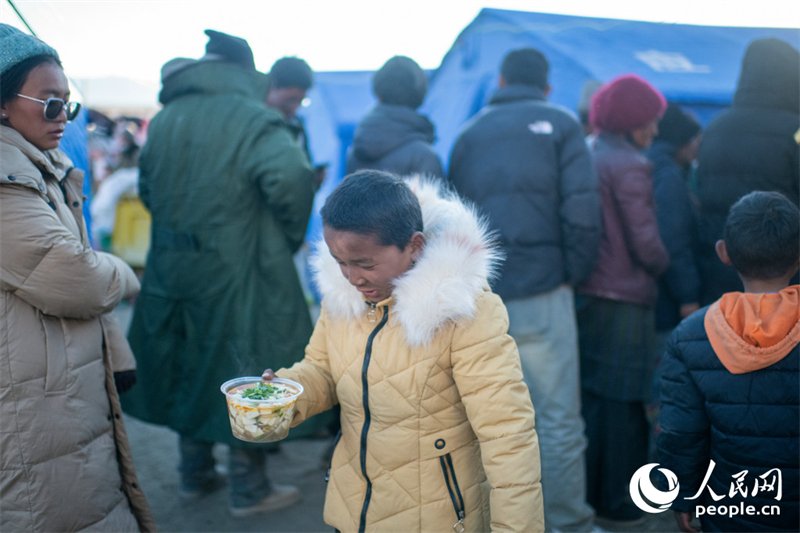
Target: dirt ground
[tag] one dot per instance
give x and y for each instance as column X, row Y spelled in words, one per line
column 155, row 452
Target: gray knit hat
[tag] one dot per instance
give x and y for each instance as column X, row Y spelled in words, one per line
column 17, row 46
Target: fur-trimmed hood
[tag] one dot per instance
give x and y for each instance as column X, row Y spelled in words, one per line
column 459, row 258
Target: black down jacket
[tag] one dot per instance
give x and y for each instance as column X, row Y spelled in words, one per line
column 396, row 139
column 525, row 163
column 751, row 147
column 743, row 422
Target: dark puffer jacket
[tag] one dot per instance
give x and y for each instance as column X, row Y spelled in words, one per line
column 631, row 253
column 680, row 284
column 396, row 139
column 751, row 147
column 743, row 422
column 525, row 163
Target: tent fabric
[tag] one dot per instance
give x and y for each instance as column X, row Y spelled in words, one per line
column 697, row 66
column 336, row 103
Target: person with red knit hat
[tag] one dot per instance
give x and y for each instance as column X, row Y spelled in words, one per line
column 616, row 319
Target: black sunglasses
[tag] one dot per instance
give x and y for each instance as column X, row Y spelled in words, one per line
column 53, row 107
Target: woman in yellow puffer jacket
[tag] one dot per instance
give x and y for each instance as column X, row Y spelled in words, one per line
column 437, row 424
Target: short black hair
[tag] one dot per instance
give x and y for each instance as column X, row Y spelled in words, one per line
column 291, row 72
column 371, row 202
column 14, row 78
column 762, row 235
column 526, row 66
column 400, row 81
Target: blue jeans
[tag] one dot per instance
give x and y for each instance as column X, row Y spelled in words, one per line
column 247, row 470
column 546, row 334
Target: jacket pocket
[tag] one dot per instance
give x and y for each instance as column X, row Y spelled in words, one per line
column 447, row 440
column 446, row 461
column 55, row 381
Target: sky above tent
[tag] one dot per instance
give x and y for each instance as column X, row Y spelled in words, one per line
column 132, row 39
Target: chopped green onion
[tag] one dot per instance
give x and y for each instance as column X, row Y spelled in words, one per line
column 262, row 391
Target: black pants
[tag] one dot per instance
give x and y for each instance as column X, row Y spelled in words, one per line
column 618, row 433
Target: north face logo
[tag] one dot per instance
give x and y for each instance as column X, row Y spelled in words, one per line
column 541, row 127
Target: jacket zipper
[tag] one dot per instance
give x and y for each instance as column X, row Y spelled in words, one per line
column 371, row 315
column 450, row 473
column 365, row 429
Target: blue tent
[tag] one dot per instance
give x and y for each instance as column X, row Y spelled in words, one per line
column 337, row 101
column 697, row 66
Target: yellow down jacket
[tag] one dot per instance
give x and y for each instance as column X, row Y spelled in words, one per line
column 437, row 424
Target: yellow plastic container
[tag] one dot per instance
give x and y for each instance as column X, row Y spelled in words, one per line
column 130, row 239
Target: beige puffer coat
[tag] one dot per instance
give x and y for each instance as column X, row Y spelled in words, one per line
column 437, row 424
column 64, row 453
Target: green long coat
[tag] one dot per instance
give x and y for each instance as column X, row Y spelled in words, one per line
column 230, row 195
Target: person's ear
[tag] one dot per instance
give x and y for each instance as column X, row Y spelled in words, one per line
column 547, row 90
column 722, row 252
column 417, row 245
column 501, row 82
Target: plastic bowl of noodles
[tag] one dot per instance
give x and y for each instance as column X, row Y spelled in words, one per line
column 261, row 411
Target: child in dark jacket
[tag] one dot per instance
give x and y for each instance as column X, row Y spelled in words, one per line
column 730, row 419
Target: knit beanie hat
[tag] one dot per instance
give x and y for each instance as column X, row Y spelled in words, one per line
column 17, row 46
column 401, row 81
column 676, row 126
column 228, row 48
column 624, row 104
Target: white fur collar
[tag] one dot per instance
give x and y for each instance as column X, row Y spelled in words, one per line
column 443, row 286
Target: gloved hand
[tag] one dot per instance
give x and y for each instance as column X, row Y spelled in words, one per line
column 124, row 380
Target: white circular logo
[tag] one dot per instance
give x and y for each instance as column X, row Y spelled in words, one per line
column 644, row 494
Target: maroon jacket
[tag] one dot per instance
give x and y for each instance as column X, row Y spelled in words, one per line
column 631, row 252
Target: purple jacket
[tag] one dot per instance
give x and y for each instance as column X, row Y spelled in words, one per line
column 631, row 253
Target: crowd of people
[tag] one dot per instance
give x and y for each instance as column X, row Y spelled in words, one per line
column 501, row 342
